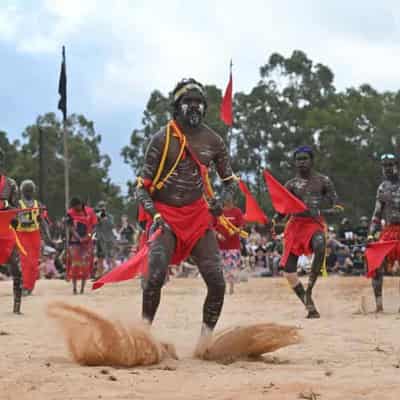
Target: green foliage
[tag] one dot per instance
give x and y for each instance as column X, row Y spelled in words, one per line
column 88, row 167
column 295, row 102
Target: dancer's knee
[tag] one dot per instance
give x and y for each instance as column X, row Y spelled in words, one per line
column 318, row 244
column 158, row 265
column 292, row 278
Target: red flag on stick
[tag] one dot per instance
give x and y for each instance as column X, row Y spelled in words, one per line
column 376, row 253
column 283, row 201
column 6, row 216
column 226, row 113
column 253, row 212
column 130, row 268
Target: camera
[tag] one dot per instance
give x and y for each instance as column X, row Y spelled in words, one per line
column 101, row 213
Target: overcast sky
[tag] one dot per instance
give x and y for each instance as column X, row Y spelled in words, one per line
column 119, row 51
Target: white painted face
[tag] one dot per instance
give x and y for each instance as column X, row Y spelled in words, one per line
column 192, row 108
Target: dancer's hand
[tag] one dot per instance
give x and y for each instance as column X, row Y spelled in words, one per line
column 314, row 212
column 158, row 223
column 215, row 207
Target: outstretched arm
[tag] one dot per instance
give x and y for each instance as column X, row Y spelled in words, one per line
column 44, row 226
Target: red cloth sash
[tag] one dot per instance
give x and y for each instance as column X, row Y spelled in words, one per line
column 30, row 262
column 298, row 234
column 388, row 246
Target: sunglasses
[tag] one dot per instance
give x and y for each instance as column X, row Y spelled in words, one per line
column 387, row 156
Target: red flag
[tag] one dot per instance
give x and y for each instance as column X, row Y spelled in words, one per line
column 130, row 268
column 376, row 253
column 226, row 114
column 6, row 216
column 253, row 212
column 283, row 201
column 8, row 236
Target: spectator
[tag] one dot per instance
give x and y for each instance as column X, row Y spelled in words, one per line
column 47, row 266
column 346, row 232
column 261, row 263
column 343, row 261
column 331, row 258
column 105, row 238
column 358, row 262
column 361, row 230
column 126, row 234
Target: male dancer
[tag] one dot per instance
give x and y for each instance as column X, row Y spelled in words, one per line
column 387, row 207
column 171, row 190
column 305, row 232
column 9, row 253
column 31, row 225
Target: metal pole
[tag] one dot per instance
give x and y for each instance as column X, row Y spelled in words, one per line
column 66, row 165
column 40, row 164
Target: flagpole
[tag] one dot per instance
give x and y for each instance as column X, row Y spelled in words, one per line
column 230, row 129
column 66, row 164
column 42, row 167
column 62, row 105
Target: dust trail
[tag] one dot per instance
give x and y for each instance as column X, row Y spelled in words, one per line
column 247, row 341
column 94, row 340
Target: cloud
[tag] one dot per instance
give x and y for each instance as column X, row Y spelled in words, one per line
column 119, row 51
column 152, row 44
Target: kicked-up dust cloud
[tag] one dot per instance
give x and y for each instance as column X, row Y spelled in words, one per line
column 94, row 340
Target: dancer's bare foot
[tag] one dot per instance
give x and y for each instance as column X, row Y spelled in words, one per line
column 203, row 342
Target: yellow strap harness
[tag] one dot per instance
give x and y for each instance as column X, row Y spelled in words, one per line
column 34, row 226
column 157, row 184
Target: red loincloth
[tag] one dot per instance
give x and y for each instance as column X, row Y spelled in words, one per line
column 189, row 223
column 377, row 252
column 298, row 234
column 30, row 262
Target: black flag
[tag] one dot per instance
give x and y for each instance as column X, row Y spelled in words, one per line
column 62, row 87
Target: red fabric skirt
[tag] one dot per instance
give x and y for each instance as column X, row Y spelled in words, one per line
column 80, row 260
column 298, row 235
column 390, row 232
column 31, row 242
column 7, row 244
column 189, row 223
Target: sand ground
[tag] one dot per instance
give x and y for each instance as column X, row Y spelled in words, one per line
column 345, row 355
